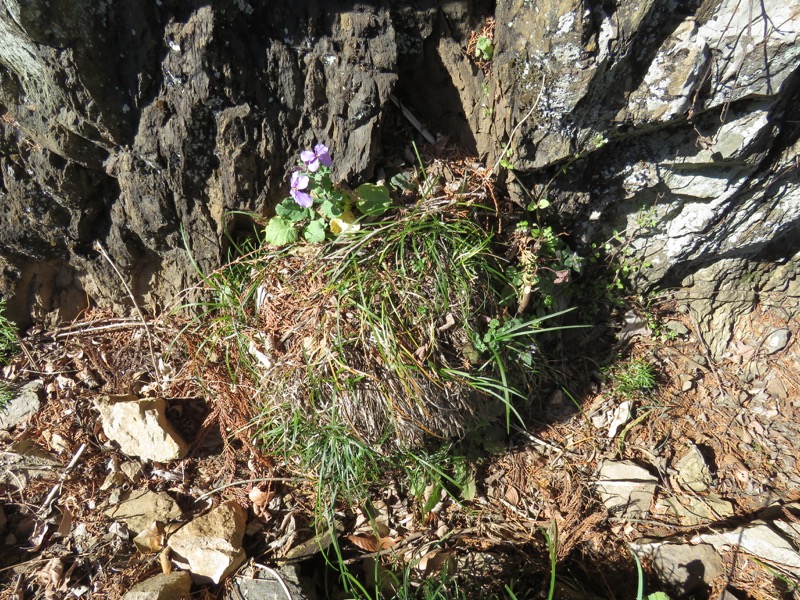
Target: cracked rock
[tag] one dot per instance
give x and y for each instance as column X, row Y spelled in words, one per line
column 626, row 488
column 211, row 545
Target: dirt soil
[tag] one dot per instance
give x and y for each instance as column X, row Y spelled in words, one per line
column 740, row 413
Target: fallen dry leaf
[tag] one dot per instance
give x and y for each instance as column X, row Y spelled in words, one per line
column 367, row 543
column 151, row 538
column 166, row 563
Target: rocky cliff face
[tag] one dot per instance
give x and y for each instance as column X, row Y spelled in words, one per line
column 142, row 126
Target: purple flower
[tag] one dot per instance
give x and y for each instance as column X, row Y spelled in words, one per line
column 300, row 182
column 316, row 157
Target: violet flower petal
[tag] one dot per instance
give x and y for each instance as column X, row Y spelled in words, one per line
column 302, row 198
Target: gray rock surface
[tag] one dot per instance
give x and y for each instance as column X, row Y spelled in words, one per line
column 140, row 427
column 760, row 540
column 626, row 488
column 172, row 586
column 139, row 508
column 24, row 405
column 686, row 567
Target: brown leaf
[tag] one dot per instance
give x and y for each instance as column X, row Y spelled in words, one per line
column 512, row 496
column 151, row 538
column 50, row 574
column 370, row 544
column 166, row 563
column 386, row 542
column 561, row 276
column 261, row 500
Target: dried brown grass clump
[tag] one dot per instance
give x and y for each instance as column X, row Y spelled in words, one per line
column 381, row 333
column 376, row 329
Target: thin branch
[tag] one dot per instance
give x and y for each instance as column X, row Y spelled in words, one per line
column 99, row 247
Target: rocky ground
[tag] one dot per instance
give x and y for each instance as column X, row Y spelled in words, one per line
column 697, row 475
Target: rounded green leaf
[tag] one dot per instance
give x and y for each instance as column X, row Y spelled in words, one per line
column 280, row 231
column 314, row 233
column 373, row 200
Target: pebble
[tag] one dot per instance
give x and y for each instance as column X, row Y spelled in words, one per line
column 677, row 328
column 777, row 340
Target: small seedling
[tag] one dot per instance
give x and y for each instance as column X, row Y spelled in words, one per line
column 633, row 377
column 9, row 344
column 484, row 48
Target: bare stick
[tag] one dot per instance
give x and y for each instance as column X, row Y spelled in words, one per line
column 57, row 487
column 99, row 247
column 243, row 482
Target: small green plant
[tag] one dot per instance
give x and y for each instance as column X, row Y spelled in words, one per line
column 484, row 48
column 551, row 539
column 315, row 207
column 9, row 342
column 544, row 264
column 6, row 395
column 633, row 377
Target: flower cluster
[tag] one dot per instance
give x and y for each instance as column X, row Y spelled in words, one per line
column 312, row 160
column 315, row 206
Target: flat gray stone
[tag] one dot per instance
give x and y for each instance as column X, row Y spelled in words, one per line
column 172, row 586
column 760, row 540
column 257, row 584
column 687, row 567
column 692, row 470
column 626, row 488
column 776, row 341
column 142, row 507
column 23, row 406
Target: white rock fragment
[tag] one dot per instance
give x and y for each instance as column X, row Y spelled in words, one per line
column 171, row 586
column 626, row 488
column 212, row 544
column 140, row 427
column 776, row 341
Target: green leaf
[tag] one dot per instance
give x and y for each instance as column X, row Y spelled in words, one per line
column 279, row 232
column 292, row 211
column 373, row 200
column 314, row 233
column 657, row 596
column 543, row 203
column 506, row 164
column 484, row 48
column 330, row 209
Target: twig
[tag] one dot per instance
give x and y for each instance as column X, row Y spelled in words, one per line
column 277, row 577
column 45, row 508
column 413, row 120
column 71, row 331
column 99, row 247
column 243, row 482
